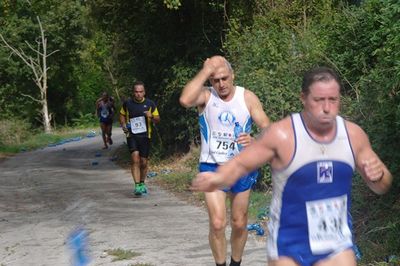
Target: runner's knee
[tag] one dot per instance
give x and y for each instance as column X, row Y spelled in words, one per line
column 239, row 223
column 218, row 224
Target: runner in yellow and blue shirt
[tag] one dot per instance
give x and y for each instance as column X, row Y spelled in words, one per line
column 136, row 117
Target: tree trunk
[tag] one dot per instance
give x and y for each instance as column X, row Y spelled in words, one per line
column 39, row 70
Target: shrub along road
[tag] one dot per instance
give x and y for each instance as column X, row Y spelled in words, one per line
column 47, row 194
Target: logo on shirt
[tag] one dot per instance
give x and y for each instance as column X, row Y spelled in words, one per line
column 325, row 172
column 226, row 118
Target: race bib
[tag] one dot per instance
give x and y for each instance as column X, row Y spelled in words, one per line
column 222, row 145
column 138, row 124
column 327, row 224
column 104, row 112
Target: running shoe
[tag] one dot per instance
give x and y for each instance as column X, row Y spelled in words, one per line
column 110, row 141
column 143, row 188
column 138, row 190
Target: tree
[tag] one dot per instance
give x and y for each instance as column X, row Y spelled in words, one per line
column 39, row 68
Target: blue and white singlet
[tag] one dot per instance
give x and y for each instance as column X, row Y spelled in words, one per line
column 217, row 123
column 309, row 215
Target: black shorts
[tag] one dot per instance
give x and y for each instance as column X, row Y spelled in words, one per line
column 139, row 143
column 107, row 121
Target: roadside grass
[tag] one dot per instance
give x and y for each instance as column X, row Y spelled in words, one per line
column 121, row 254
column 40, row 140
column 376, row 225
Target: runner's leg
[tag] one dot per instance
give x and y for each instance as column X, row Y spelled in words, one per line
column 103, row 128
column 239, row 217
column 217, row 221
column 135, row 166
column 344, row 258
column 143, row 168
column 109, row 133
column 283, row 261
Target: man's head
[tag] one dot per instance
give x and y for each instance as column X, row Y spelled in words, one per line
column 316, row 74
column 222, row 77
column 105, row 96
column 138, row 91
column 320, row 95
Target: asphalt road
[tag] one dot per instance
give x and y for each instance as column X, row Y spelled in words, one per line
column 47, row 194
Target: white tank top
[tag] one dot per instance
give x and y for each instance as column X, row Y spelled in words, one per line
column 217, row 122
column 311, row 196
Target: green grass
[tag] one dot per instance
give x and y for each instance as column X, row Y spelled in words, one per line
column 376, row 221
column 35, row 141
column 258, row 205
column 121, row 254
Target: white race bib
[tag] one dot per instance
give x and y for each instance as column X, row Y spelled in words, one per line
column 104, row 112
column 327, row 224
column 222, row 145
column 138, row 124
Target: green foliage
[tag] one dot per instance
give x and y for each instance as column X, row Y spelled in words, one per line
column 364, row 42
column 18, row 136
column 14, row 131
column 259, row 205
column 180, row 128
column 85, row 120
column 63, row 26
column 172, row 4
column 376, row 222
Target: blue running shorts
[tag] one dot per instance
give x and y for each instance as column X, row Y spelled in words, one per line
column 244, row 183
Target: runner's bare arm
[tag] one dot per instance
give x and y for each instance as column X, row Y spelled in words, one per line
column 369, row 165
column 257, row 114
column 261, row 151
column 123, row 121
column 194, row 93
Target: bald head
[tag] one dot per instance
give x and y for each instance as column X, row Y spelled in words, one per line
column 220, row 62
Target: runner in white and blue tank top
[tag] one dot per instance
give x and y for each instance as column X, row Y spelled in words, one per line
column 312, row 156
column 311, row 200
column 217, row 123
column 222, row 108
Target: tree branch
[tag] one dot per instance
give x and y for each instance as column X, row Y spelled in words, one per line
column 30, row 97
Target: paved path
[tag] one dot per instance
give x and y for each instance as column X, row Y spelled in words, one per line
column 46, row 194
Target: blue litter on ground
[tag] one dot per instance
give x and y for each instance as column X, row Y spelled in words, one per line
column 260, row 232
column 252, row 227
column 77, row 242
column 166, row 171
column 151, row 174
column 114, row 158
column 98, row 154
column 95, row 163
column 256, row 227
column 91, row 134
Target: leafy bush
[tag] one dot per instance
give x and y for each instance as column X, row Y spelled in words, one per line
column 14, row 131
column 85, row 120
